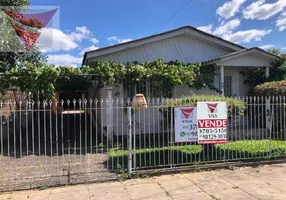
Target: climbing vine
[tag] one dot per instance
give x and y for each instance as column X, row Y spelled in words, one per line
column 46, row 79
column 167, row 75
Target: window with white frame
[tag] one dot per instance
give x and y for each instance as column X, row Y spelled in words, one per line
column 150, row 89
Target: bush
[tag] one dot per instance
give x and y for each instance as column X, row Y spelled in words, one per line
column 188, row 149
column 252, row 148
column 275, row 88
column 235, row 106
column 156, row 156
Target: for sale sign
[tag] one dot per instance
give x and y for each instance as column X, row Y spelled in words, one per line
column 212, row 122
column 185, row 124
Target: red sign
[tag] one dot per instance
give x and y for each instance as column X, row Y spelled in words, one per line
column 212, row 123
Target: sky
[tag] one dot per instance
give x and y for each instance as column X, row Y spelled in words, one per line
column 92, row 24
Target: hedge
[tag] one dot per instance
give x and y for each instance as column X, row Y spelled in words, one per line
column 275, row 88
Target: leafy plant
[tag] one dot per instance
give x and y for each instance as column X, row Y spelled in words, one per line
column 188, row 149
column 45, row 80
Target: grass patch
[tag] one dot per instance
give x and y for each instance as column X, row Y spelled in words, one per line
column 253, row 148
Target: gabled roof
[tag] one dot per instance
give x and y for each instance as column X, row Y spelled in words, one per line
column 168, row 34
column 242, row 52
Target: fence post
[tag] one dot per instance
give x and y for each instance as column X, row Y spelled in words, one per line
column 129, row 142
column 268, row 115
column 109, row 113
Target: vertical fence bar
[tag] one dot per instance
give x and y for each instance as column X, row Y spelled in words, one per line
column 26, row 127
column 1, row 124
column 129, row 141
column 45, row 130
column 139, row 138
column 85, row 126
column 263, row 126
column 33, row 126
column 124, row 125
column 172, row 134
column 134, row 141
column 8, row 127
column 149, row 132
column 117, row 145
column 90, row 125
column 144, row 135
column 80, row 130
column 284, row 121
column 154, row 130
column 96, row 125
column 74, row 131
column 158, row 130
column 51, row 132
column 57, row 134
column 168, row 131
column 102, row 109
column 14, row 130
column 62, row 134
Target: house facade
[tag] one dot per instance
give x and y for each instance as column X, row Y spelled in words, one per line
column 188, row 45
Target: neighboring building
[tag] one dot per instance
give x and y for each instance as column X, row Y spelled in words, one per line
column 188, row 45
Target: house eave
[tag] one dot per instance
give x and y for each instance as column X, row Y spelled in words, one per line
column 187, row 30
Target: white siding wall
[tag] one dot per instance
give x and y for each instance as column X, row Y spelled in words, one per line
column 184, row 48
column 253, row 59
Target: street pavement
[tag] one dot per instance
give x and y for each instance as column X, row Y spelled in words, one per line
column 265, row 182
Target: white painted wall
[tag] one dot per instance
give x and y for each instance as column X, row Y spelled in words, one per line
column 184, row 48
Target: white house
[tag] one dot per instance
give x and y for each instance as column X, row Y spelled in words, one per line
column 188, row 45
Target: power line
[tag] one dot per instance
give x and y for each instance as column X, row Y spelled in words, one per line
column 174, row 15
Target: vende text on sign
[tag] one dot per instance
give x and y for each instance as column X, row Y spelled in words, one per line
column 212, row 122
column 185, row 124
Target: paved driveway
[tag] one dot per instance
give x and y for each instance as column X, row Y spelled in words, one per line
column 265, row 182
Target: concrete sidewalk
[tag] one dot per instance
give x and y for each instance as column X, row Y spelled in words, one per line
column 266, row 182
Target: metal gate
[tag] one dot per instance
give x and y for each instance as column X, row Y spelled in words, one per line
column 53, row 143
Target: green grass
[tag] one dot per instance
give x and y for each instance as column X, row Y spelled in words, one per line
column 254, row 146
column 188, row 149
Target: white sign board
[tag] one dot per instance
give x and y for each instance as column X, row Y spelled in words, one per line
column 212, row 122
column 186, row 124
